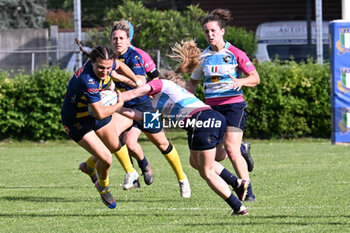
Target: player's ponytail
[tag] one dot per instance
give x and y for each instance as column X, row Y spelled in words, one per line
column 187, row 54
column 102, row 52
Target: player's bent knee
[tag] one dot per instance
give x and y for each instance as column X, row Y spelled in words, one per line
column 106, row 160
column 193, row 164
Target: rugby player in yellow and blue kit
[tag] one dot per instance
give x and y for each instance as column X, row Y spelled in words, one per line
column 98, row 135
column 120, row 38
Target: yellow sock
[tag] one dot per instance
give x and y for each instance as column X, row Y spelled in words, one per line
column 124, row 159
column 174, row 160
column 91, row 163
column 103, row 183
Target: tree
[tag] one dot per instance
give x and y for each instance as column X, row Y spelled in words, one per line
column 154, row 29
column 22, row 13
column 92, row 12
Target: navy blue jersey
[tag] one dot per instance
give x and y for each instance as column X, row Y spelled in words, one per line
column 83, row 88
column 134, row 61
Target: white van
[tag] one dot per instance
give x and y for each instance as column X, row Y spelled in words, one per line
column 286, row 39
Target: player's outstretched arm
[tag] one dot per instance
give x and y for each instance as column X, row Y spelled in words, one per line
column 131, row 113
column 140, row 91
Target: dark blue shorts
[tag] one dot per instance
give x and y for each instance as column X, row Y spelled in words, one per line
column 235, row 114
column 145, row 107
column 205, row 138
column 78, row 128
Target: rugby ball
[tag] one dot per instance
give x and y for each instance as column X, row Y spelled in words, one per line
column 108, row 98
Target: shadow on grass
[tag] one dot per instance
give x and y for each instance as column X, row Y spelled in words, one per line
column 111, row 213
column 43, row 199
column 303, row 221
column 75, row 200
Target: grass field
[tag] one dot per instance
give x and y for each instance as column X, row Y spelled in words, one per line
column 301, row 186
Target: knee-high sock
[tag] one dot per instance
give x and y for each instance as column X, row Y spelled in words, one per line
column 229, row 178
column 124, row 159
column 173, row 159
column 91, row 163
column 103, row 183
column 234, row 202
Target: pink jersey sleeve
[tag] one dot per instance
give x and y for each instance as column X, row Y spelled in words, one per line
column 147, row 60
column 156, row 86
column 243, row 60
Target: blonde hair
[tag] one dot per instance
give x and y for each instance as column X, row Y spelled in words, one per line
column 121, row 25
column 188, row 55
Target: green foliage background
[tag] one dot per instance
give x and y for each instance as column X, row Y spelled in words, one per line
column 153, row 29
column 292, row 101
column 156, row 29
column 22, row 13
column 30, row 105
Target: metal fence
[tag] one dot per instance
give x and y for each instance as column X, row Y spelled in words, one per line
column 29, row 60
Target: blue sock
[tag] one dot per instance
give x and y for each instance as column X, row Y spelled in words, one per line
column 229, row 178
column 143, row 163
column 242, row 149
column 250, row 191
column 234, row 202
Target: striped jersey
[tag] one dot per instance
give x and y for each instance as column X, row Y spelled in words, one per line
column 216, row 68
column 83, row 88
column 173, row 101
column 134, row 61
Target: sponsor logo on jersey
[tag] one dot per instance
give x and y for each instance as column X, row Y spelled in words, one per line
column 227, row 59
column 78, row 73
column 93, row 90
column 91, row 81
column 215, row 79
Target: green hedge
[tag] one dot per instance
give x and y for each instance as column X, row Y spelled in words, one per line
column 292, row 101
column 30, row 105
